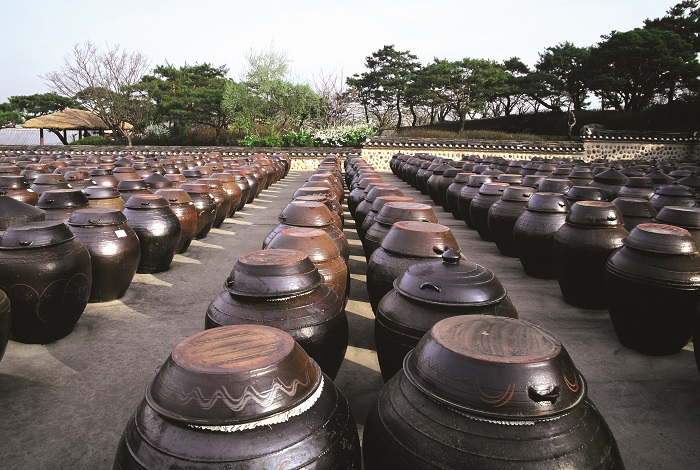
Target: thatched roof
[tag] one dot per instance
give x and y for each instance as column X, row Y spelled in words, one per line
column 67, row 119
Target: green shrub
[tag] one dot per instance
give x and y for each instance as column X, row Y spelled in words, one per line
column 93, row 140
column 272, row 141
column 250, row 141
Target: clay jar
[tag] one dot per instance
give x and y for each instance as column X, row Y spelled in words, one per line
column 45, row 182
column 183, row 207
column 673, row 195
column 432, row 184
column 390, row 213
column 635, row 211
column 205, row 206
column 228, row 182
column 114, row 249
column 374, row 210
column 609, row 181
column 128, row 188
column 321, row 250
column 580, row 249
column 357, row 193
column 243, row 396
column 158, row 229
column 59, row 204
column 17, row 187
column 282, row 288
column 487, row 392
column 533, row 233
column 444, row 183
column 428, row 292
column 488, row 194
column 365, row 205
column 104, row 197
column 466, row 195
column 504, row 213
column 310, row 214
column 452, row 194
column 45, row 308
column 641, row 187
column 104, row 177
column 221, row 198
column 653, row 286
column 407, row 243
column 243, row 185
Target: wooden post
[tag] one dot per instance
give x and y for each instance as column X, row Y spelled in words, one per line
column 41, row 136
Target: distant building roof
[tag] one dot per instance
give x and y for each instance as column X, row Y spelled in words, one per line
column 67, row 119
column 21, row 136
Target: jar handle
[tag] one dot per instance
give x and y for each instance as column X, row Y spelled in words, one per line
column 29, row 243
column 537, row 396
column 427, row 285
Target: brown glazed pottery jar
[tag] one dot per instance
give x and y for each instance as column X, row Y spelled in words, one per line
column 533, row 233
column 247, row 191
column 580, row 249
column 364, row 207
column 653, row 286
column 635, row 211
column 452, row 193
column 374, row 210
column 432, row 184
column 488, row 194
column 46, row 307
column 584, row 193
column 205, row 206
column 428, row 292
column 390, row 213
column 321, row 250
column 282, row 288
column 45, row 182
column 59, row 204
column 466, row 195
column 221, row 198
column 128, row 188
column 641, row 187
column 228, row 182
column 17, row 187
column 680, row 216
column 407, row 243
column 331, row 204
column 5, row 314
column 609, row 181
column 104, row 177
column 504, row 213
column 673, row 195
column 158, row 230
column 183, row 207
column 357, row 193
column 114, row 249
column 242, row 396
column 487, row 392
column 13, row 212
column 104, row 197
column 310, row 214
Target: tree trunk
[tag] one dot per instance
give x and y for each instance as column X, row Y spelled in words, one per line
column 415, row 117
column 61, row 137
column 398, row 112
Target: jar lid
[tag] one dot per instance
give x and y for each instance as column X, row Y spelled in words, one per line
column 509, row 178
column 195, row 188
column 157, row 181
column 146, row 201
column 451, row 172
column 316, row 243
column 441, row 169
column 554, row 185
column 659, row 177
column 35, row 235
column 13, row 182
column 233, row 374
column 96, row 217
column 62, row 198
column 675, row 190
column 610, row 176
column 639, row 182
column 419, row 239
column 101, row 192
column 462, row 177
column 517, row 193
column 497, row 367
column 493, row 189
column 273, row 273
column 680, row 216
column 50, row 178
column 634, row 207
column 552, row 203
column 475, row 181
column 306, row 214
column 594, row 214
column 585, row 193
column 532, row 181
column 450, row 281
column 397, row 211
column 14, row 212
column 175, row 196
column 132, row 185
column 382, row 190
column 659, row 238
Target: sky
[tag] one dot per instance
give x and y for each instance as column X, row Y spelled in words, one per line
column 318, row 37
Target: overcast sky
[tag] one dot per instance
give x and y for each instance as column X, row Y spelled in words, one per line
column 328, row 36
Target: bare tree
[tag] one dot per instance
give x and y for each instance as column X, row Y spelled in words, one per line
column 337, row 102
column 102, row 82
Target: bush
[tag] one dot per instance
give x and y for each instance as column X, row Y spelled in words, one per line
column 93, row 140
column 344, row 136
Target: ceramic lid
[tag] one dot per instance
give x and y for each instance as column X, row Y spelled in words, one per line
column 493, row 189
column 157, row 181
column 382, row 190
column 585, row 193
column 101, row 192
column 517, row 193
column 13, row 212
column 50, row 178
column 680, row 216
column 450, row 281
column 232, row 375
column 509, row 178
column 554, row 203
column 639, row 182
column 496, row 367
column 610, row 176
column 96, row 217
column 273, row 273
column 554, row 185
column 660, row 238
column 35, row 235
column 62, row 198
column 13, row 182
column 195, row 188
column 419, row 239
column 316, row 243
column 462, row 177
column 659, row 177
column 146, row 201
column 175, row 196
column 306, row 214
column 475, row 181
column 635, row 207
column 594, row 214
column 397, row 211
column 675, row 190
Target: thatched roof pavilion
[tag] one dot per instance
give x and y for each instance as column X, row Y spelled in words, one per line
column 62, row 121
